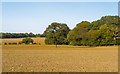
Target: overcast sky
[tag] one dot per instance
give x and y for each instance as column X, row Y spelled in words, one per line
column 36, row 16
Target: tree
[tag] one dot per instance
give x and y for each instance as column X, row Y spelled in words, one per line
column 31, row 34
column 56, row 34
column 78, row 35
column 82, row 34
column 93, row 38
column 38, row 35
column 27, row 40
column 106, row 35
column 17, row 35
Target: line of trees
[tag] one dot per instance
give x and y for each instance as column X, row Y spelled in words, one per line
column 19, row 35
column 105, row 31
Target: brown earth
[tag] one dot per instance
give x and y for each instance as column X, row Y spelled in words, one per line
column 65, row 58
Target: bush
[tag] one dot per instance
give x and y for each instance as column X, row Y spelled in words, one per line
column 34, row 43
column 10, row 43
column 14, row 43
column 39, row 44
column 27, row 40
column 19, row 43
column 5, row 43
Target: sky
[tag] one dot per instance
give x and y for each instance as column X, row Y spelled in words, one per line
column 26, row 17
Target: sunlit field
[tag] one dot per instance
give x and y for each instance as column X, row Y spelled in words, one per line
column 64, row 58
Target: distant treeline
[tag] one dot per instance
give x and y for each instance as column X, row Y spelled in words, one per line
column 102, row 32
column 19, row 35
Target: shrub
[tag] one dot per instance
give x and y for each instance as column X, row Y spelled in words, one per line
column 19, row 43
column 34, row 43
column 27, row 40
column 10, row 43
column 5, row 43
column 14, row 43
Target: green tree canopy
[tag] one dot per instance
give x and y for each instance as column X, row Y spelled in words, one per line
column 101, row 32
column 27, row 40
column 78, row 33
column 56, row 33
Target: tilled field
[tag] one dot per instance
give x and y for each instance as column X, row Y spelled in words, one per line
column 38, row 58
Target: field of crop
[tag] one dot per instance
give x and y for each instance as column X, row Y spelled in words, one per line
column 64, row 58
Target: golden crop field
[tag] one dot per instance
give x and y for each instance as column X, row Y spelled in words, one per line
column 64, row 58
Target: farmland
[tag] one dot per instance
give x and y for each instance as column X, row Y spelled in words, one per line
column 64, row 58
